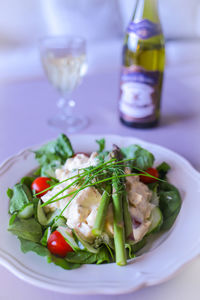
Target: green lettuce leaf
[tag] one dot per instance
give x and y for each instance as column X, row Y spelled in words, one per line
column 27, row 180
column 28, row 229
column 27, row 246
column 20, row 197
column 54, row 154
column 61, row 262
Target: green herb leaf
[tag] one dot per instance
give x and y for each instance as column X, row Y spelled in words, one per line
column 130, row 253
column 27, row 246
column 28, row 229
column 9, row 193
column 20, row 198
column 143, row 159
column 61, row 262
column 101, row 144
column 12, row 218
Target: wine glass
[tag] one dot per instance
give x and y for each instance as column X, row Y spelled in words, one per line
column 64, row 61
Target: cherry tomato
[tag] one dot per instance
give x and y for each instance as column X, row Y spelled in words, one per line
column 40, row 184
column 86, row 154
column 57, row 244
column 150, row 171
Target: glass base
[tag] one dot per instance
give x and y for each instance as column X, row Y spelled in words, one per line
column 68, row 123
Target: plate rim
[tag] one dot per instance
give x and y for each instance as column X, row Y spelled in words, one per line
column 9, row 263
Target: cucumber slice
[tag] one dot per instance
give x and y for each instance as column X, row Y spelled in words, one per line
column 83, row 245
column 68, row 236
column 45, row 237
column 42, row 219
column 156, row 219
column 26, row 212
column 51, row 216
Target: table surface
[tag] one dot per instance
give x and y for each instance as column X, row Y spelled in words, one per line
column 24, row 110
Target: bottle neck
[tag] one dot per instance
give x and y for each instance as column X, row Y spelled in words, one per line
column 146, row 9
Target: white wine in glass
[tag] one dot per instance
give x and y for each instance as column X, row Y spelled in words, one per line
column 64, row 61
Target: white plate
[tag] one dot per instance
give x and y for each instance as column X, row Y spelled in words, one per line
column 170, row 252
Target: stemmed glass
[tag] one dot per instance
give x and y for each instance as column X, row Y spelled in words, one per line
column 64, row 61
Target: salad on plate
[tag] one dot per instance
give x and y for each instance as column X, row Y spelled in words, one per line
column 92, row 208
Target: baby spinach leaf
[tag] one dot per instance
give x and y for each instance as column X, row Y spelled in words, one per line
column 21, row 196
column 28, row 229
column 163, row 168
column 135, row 247
column 61, row 262
column 169, row 203
column 143, row 159
column 27, row 246
column 54, row 154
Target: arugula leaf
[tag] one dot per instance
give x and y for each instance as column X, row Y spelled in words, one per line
column 28, row 229
column 163, row 168
column 103, row 256
column 81, row 257
column 61, row 262
column 27, row 246
column 143, row 159
column 86, row 257
column 54, row 154
column 20, row 198
column 170, row 204
column 101, row 144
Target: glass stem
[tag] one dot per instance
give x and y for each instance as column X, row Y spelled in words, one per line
column 66, row 106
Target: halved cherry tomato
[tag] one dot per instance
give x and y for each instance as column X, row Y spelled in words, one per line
column 57, row 244
column 40, row 184
column 86, row 154
column 150, row 171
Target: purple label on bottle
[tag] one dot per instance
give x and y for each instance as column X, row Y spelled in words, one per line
column 144, row 29
column 142, row 76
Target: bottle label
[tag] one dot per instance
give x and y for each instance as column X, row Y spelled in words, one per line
column 139, row 94
column 144, row 29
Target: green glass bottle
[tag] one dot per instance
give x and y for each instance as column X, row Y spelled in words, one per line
column 142, row 67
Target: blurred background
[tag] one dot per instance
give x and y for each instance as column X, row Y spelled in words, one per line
column 102, row 22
